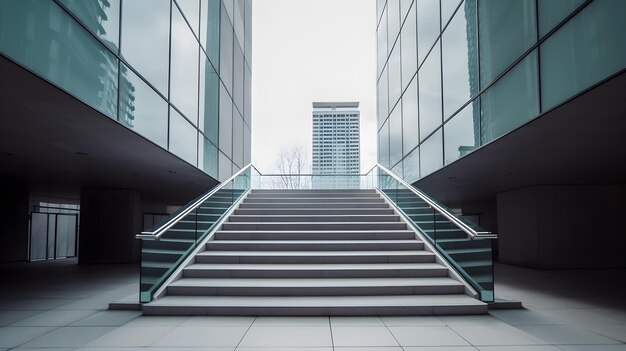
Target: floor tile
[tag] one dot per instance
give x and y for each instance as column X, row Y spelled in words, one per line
column 69, row 337
column 427, row 336
column 11, row 316
column 621, row 347
column 443, row 348
column 202, row 336
column 566, row 334
column 579, row 316
column 519, row 348
column 107, row 319
column 356, row 321
column 219, row 321
column 495, row 334
column 613, row 331
column 286, row 349
column 382, row 348
column 470, row 320
column 363, row 336
column 130, row 337
column 291, row 322
column 287, row 337
column 53, row 318
column 524, row 317
column 15, row 336
column 34, row 304
column 157, row 321
column 400, row 321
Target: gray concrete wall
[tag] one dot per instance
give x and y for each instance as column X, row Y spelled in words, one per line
column 14, row 222
column 563, row 226
column 110, row 218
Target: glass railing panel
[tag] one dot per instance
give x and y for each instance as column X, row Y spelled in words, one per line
column 160, row 258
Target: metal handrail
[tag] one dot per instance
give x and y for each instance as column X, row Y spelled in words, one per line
column 156, row 234
column 452, row 218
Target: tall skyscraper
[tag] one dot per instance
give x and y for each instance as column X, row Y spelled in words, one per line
column 336, row 144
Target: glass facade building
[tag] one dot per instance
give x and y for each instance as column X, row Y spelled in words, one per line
column 453, row 76
column 176, row 72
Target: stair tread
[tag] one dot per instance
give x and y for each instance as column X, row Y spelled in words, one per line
column 317, row 253
column 314, row 282
column 317, row 301
column 297, row 242
column 358, row 231
column 314, row 267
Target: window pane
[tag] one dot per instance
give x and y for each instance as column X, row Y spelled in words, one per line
column 207, row 157
column 382, row 42
column 238, row 78
column 587, row 49
column 511, row 101
column 225, row 167
column 507, row 28
column 191, row 11
column 247, row 145
column 409, row 48
column 447, row 9
column 238, row 140
column 210, row 29
column 460, row 65
column 247, row 85
column 184, row 68
column 248, row 28
column 146, row 39
column 141, row 108
column 430, row 94
column 383, row 145
column 383, row 102
column 395, row 79
column 393, row 20
column 226, row 52
column 427, row 26
column 404, row 8
column 409, row 117
column 238, row 22
column 44, row 38
column 209, row 97
column 411, row 167
column 462, row 132
column 431, row 154
column 552, row 12
column 395, row 135
column 226, row 123
column 101, row 17
column 183, row 138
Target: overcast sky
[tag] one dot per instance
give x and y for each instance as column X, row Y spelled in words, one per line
column 305, row 51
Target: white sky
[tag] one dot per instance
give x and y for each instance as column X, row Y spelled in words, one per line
column 305, row 51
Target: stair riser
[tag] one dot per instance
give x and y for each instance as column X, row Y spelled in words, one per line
column 306, row 273
column 158, row 257
column 316, row 191
column 313, row 205
column 301, row 218
column 295, row 246
column 309, row 212
column 314, row 311
column 316, row 236
column 328, row 200
column 351, row 195
column 316, row 259
column 314, row 226
column 314, row 291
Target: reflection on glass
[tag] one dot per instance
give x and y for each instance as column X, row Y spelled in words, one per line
column 587, row 49
column 191, row 11
column 238, row 139
column 207, row 157
column 431, row 154
column 238, row 78
column 247, row 95
column 460, row 64
column 447, row 9
column 462, row 132
column 412, row 166
column 146, row 39
column 551, row 12
column 44, row 38
column 141, row 108
column 101, row 16
column 409, row 117
column 209, row 97
column 248, row 28
column 184, row 68
column 383, row 145
column 430, row 94
column 395, row 79
column 507, row 28
column 225, row 167
column 226, row 51
column 427, row 26
column 408, row 39
column 238, row 22
column 382, row 42
column 395, row 135
column 210, row 29
column 511, row 101
column 383, row 98
column 393, row 21
column 183, row 138
column 247, row 142
column 226, row 122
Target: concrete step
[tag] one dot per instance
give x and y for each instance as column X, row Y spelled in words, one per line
column 314, row 287
column 315, row 226
column 315, row 235
column 305, row 194
column 313, row 245
column 316, row 305
column 316, row 191
column 313, row 211
column 321, row 200
column 364, row 270
column 314, row 257
column 315, row 218
column 308, row 205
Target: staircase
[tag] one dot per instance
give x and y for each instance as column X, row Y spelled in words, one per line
column 315, row 252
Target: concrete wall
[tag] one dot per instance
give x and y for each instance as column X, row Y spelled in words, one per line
column 563, row 226
column 110, row 218
column 14, row 222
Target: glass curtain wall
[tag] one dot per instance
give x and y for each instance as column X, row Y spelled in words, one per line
column 457, row 74
column 162, row 68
